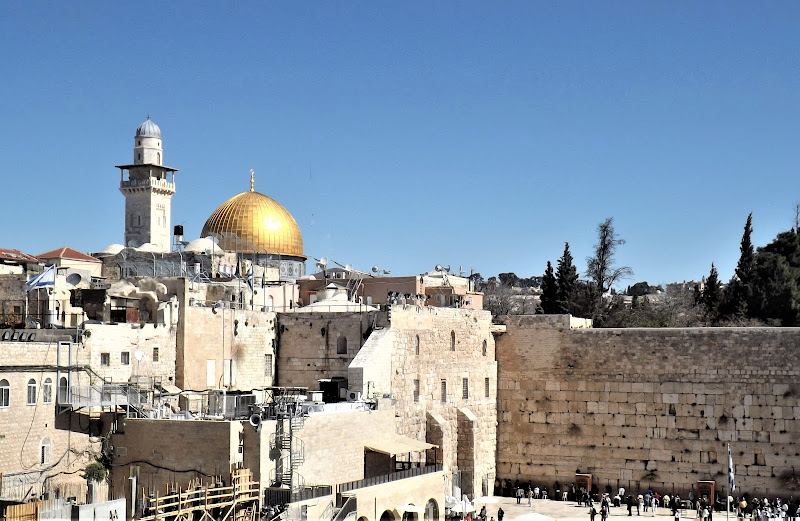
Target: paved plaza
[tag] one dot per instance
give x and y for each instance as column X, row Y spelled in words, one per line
column 547, row 510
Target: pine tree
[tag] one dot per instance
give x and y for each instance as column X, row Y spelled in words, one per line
column 738, row 296
column 566, row 278
column 549, row 291
column 746, row 267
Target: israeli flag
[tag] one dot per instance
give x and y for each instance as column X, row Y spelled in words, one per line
column 47, row 278
column 250, row 278
column 731, row 477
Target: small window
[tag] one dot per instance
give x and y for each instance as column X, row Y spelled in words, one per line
column 485, row 348
column 155, row 354
column 44, row 448
column 105, row 359
column 31, row 392
column 47, row 391
column 139, row 143
column 444, row 391
column 139, row 157
column 63, row 390
column 486, row 387
column 341, row 345
column 416, row 345
column 465, row 388
column 125, row 358
column 416, row 391
column 452, row 340
column 5, row 393
column 268, row 366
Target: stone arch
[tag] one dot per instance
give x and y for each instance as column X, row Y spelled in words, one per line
column 388, row 515
column 363, row 518
column 432, row 510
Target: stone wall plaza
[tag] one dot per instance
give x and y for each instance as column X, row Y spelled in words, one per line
column 648, row 407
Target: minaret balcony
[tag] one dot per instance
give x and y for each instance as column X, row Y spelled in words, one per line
column 149, row 184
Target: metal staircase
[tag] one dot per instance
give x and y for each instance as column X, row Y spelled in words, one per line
column 292, row 449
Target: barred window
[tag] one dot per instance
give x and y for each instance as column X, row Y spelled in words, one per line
column 155, row 354
column 105, row 359
column 486, row 386
column 444, row 391
column 416, row 391
column 5, row 393
column 31, row 392
column 268, row 365
column 465, row 388
column 125, row 358
column 47, row 391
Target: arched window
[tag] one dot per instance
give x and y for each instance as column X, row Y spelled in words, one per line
column 44, row 451
column 432, row 510
column 63, row 390
column 5, row 393
column 416, row 345
column 47, row 391
column 341, row 345
column 452, row 340
column 31, row 392
column 485, row 348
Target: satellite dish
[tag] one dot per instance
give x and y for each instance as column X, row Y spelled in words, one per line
column 324, row 261
column 375, row 269
column 348, row 267
column 139, row 355
column 386, row 272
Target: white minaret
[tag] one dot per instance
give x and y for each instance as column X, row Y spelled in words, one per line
column 148, row 191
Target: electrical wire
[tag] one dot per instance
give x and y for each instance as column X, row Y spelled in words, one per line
column 137, row 462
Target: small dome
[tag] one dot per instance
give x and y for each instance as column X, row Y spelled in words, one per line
column 204, row 245
column 148, row 247
column 112, row 249
column 148, row 129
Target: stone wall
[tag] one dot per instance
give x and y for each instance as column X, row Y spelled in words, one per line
column 28, row 425
column 309, row 344
column 431, row 345
column 121, row 342
column 648, row 407
column 208, row 339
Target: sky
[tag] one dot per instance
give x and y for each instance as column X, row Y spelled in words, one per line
column 402, row 135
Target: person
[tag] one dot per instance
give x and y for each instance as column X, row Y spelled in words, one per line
column 691, row 497
column 536, row 493
column 646, row 500
column 500, row 514
column 639, row 504
column 604, row 513
column 629, row 503
column 592, row 512
column 677, row 515
column 653, row 505
column 519, row 494
column 483, row 513
column 530, row 495
column 703, row 513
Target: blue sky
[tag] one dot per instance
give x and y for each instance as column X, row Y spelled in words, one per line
column 403, row 135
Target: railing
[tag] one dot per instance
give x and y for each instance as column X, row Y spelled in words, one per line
column 348, row 508
column 104, row 395
column 283, row 496
column 199, row 500
column 149, row 182
column 387, row 478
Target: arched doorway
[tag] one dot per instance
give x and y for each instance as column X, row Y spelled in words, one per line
column 432, row 510
column 387, row 516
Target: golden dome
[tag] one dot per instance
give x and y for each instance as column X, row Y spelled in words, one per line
column 258, row 222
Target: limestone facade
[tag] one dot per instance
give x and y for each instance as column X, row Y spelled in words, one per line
column 648, row 407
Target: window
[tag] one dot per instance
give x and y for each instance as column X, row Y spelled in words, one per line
column 47, row 391
column 416, row 345
column 268, row 365
column 105, row 359
column 5, row 393
column 155, row 354
column 125, row 358
column 341, row 345
column 416, row 391
column 452, row 340
column 63, row 390
column 444, row 391
column 44, row 449
column 31, row 392
column 485, row 348
column 486, row 386
column 465, row 388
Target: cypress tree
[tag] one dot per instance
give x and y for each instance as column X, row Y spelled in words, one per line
column 566, row 278
column 549, row 291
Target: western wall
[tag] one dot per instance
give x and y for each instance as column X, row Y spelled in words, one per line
column 648, row 408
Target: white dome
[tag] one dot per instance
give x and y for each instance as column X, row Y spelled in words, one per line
column 204, row 245
column 149, row 247
column 112, row 249
column 148, row 129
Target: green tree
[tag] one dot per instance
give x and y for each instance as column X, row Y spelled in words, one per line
column 567, row 278
column 600, row 268
column 739, row 292
column 712, row 293
column 508, row 279
column 549, row 298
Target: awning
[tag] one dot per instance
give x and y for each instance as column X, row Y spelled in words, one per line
column 398, row 444
column 410, row 508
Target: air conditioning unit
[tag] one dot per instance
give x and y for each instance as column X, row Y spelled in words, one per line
column 353, row 396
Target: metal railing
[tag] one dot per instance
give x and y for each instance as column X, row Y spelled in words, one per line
column 283, row 496
column 387, row 478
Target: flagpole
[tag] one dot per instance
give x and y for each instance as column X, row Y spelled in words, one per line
column 731, row 485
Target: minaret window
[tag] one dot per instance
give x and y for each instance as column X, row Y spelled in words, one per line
column 139, row 157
